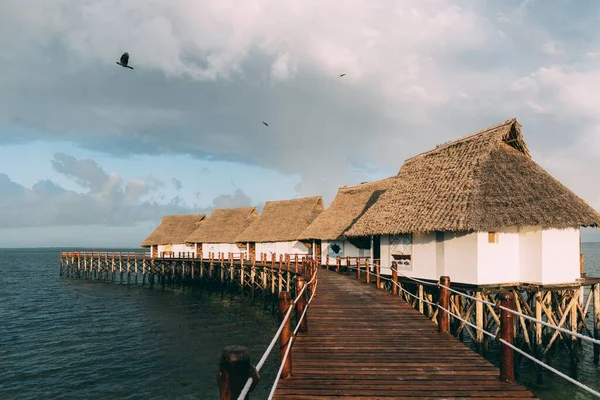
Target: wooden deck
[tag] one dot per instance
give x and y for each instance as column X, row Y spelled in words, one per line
column 363, row 343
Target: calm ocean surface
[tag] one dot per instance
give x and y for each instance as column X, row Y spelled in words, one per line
column 75, row 339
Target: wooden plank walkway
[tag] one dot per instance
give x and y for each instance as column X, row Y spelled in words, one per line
column 363, row 343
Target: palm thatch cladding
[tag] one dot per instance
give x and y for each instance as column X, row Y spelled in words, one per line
column 224, row 225
column 481, row 182
column 349, row 204
column 173, row 229
column 283, row 221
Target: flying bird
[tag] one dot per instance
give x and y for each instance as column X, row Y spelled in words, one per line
column 124, row 61
column 341, row 75
column 265, row 123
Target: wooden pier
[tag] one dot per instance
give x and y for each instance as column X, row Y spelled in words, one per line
column 363, row 343
column 227, row 272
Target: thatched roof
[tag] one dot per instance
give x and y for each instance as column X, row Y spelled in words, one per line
column 224, row 225
column 349, row 204
column 481, row 182
column 283, row 221
column 173, row 229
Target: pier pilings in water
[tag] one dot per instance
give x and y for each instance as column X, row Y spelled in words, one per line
column 224, row 273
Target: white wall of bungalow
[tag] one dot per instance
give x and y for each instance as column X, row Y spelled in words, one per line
column 508, row 255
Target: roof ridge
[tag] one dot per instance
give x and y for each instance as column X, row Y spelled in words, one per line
column 365, row 183
column 315, row 198
column 463, row 138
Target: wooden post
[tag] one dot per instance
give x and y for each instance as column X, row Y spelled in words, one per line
column 394, row 278
column 301, row 304
column 234, row 370
column 285, row 302
column 444, row 301
column 596, row 289
column 479, row 322
column 507, row 332
column 377, row 274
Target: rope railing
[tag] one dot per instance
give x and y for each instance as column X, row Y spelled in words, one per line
column 525, row 354
column 515, row 312
column 285, row 323
column 549, row 368
column 505, row 342
column 287, row 350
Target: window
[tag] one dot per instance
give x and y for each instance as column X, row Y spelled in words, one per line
column 492, row 237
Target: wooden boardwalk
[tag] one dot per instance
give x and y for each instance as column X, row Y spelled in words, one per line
column 363, row 343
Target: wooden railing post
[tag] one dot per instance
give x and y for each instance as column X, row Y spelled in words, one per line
column 285, row 302
column 377, row 274
column 596, row 289
column 301, row 304
column 394, row 278
column 234, row 370
column 507, row 332
column 444, row 302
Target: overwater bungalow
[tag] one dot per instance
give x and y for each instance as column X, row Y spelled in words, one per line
column 277, row 229
column 169, row 238
column 218, row 233
column 349, row 204
column 481, row 211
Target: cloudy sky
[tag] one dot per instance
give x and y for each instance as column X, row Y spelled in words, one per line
column 92, row 154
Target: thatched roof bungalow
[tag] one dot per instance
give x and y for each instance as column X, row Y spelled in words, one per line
column 349, row 204
column 218, row 233
column 481, row 211
column 278, row 228
column 170, row 236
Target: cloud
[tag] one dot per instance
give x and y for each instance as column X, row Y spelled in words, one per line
column 107, row 199
column 208, row 72
column 238, row 199
column 177, row 184
column 552, row 48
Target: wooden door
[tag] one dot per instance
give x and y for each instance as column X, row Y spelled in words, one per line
column 376, row 248
column 317, row 250
column 252, row 250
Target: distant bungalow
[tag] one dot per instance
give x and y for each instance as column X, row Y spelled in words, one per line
column 481, row 211
column 169, row 238
column 349, row 204
column 218, row 233
column 278, row 228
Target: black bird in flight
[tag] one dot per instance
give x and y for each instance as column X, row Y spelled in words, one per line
column 124, row 61
column 265, row 123
column 341, row 75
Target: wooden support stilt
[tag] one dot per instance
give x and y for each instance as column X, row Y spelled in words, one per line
column 479, row 322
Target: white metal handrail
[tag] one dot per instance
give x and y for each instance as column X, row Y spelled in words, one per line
column 265, row 355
